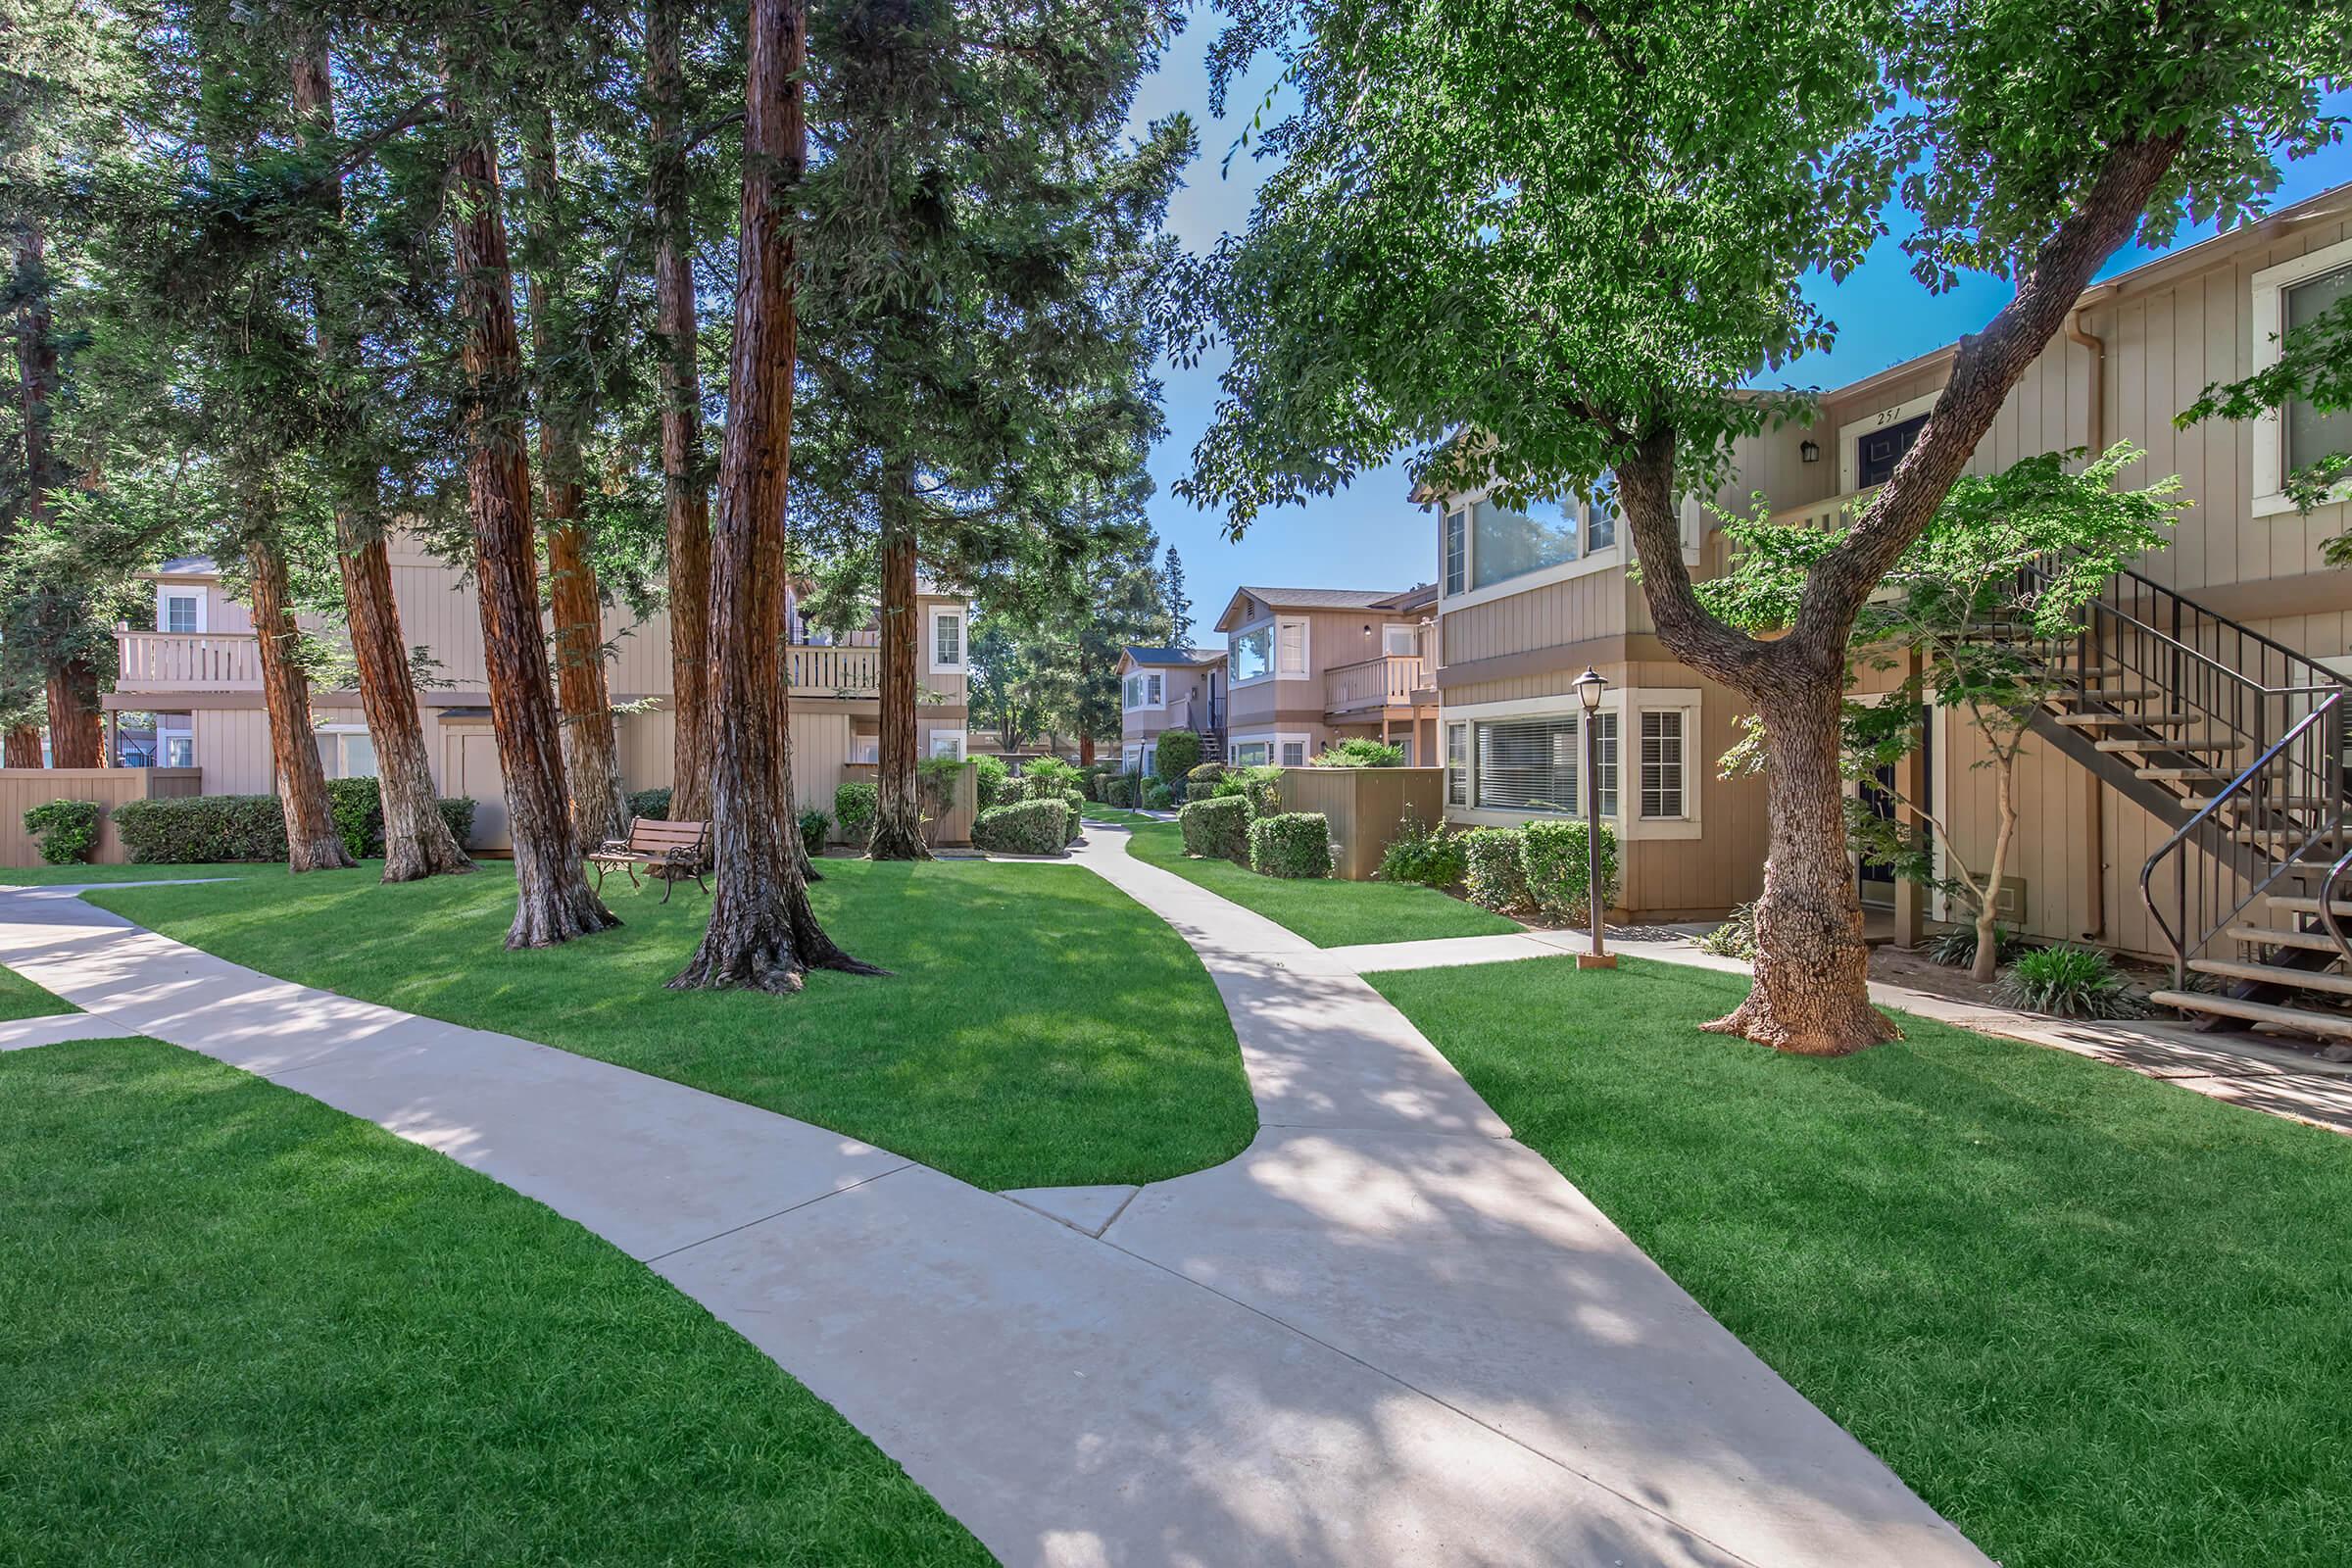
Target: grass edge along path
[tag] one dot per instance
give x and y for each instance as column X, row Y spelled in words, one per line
column 1039, row 1028
column 2094, row 1319
column 1326, row 912
column 247, row 1328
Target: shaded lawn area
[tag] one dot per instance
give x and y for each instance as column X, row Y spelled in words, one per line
column 19, row 998
column 1328, row 914
column 1097, row 811
column 242, row 1327
column 2092, row 1318
column 1040, row 1027
column 43, row 876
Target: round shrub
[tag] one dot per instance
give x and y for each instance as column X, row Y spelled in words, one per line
column 1217, row 829
column 65, row 831
column 652, row 804
column 1198, row 791
column 1179, row 754
column 1294, row 843
column 816, row 826
column 1559, row 872
column 1430, row 857
column 1119, row 790
column 989, row 774
column 1029, row 827
column 1359, row 750
column 1260, row 786
column 1051, row 773
column 1494, row 868
column 1074, row 802
column 1157, row 797
column 1206, row 773
column 854, row 806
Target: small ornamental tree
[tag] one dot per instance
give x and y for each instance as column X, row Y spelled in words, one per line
column 1576, row 246
column 1960, row 613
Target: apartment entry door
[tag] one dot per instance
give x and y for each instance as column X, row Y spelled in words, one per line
column 1876, row 882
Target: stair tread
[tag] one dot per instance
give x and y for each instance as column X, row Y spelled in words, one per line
column 2278, row 936
column 2324, row 1023
column 2116, row 720
column 2295, row 904
column 2184, row 772
column 2276, row 974
column 2173, row 744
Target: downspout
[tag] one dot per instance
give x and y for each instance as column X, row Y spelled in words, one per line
column 2094, row 793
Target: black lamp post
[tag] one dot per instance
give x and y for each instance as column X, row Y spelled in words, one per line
column 1589, row 687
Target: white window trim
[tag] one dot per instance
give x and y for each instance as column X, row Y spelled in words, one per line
column 2270, row 325
column 1628, row 703
column 1849, row 448
column 1272, row 626
column 1149, row 677
column 337, row 728
column 165, row 592
column 1273, row 741
column 955, row 735
column 1412, row 638
column 963, row 640
column 1613, row 558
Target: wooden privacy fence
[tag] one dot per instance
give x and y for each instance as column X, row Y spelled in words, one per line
column 23, row 788
column 1364, row 805
column 953, row 826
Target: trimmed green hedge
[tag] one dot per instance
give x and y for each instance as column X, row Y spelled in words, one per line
column 989, row 774
column 1559, row 868
column 65, row 831
column 1074, row 802
column 1199, row 790
column 1119, row 790
column 1157, row 797
column 1428, row 856
column 1206, row 773
column 1494, row 868
column 1178, row 754
column 1359, row 750
column 1217, row 829
column 1029, row 827
column 1260, row 786
column 854, row 806
column 1290, row 844
column 653, row 805
column 199, row 829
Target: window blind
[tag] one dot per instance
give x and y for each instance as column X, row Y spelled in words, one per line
column 1662, row 764
column 1528, row 765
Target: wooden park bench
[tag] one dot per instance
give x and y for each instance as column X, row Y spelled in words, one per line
column 667, row 850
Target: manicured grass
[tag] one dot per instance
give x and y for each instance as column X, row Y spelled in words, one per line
column 2094, row 1318
column 239, row 1327
column 1095, row 811
column 1328, row 914
column 19, row 998
column 41, row 876
column 1039, row 1028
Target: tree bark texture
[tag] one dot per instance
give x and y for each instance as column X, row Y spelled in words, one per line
column 600, row 806
column 554, row 902
column 20, row 747
column 763, row 933
column 75, row 739
column 1811, row 993
column 898, row 833
column 417, row 842
column 312, row 842
column 685, row 489
column 69, row 685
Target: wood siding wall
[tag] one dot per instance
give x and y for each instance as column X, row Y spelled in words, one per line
column 23, row 788
column 1365, row 806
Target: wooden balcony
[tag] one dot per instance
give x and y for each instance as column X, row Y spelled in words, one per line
column 1373, row 684
column 833, row 672
column 187, row 661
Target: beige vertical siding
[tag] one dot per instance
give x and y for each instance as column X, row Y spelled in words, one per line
column 1364, row 805
column 1591, row 605
column 232, row 750
column 23, row 788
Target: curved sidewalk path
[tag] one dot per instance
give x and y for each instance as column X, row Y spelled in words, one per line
column 1385, row 1335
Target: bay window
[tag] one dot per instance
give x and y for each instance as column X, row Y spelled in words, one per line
column 1252, row 653
column 1528, row 765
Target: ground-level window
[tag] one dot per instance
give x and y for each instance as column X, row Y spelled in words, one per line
column 345, row 752
column 1528, row 765
column 1457, row 764
column 1662, row 770
column 947, row 743
column 1250, row 754
column 1293, row 753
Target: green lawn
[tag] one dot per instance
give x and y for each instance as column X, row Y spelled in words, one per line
column 239, row 1327
column 1328, row 914
column 1040, row 1027
column 1095, row 811
column 19, row 998
column 2094, row 1318
column 37, row 876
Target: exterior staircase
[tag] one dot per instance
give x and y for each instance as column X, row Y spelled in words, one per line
column 2234, row 741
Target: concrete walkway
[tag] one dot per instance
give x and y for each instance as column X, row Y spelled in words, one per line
column 1385, row 1335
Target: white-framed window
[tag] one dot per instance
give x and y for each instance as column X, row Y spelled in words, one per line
column 1290, row 639
column 1143, row 689
column 1489, row 551
column 1250, row 754
column 1457, row 764
column 1506, row 544
column 2287, row 296
column 1400, row 641
column 345, row 751
column 1458, row 550
column 947, row 743
column 1665, row 765
column 947, row 639
column 1529, row 764
column 1293, row 753
column 1276, row 650
column 179, row 609
column 1604, row 769
column 174, row 740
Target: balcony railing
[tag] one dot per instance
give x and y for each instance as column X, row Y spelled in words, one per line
column 188, row 662
column 833, row 672
column 1389, row 681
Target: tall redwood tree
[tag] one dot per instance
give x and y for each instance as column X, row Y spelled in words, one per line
column 763, row 933
column 312, row 842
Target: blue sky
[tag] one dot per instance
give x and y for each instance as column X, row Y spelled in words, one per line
column 1369, row 536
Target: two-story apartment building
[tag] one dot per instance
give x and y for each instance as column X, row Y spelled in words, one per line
column 197, row 672
column 2192, row 669
column 1306, row 667
column 1161, row 689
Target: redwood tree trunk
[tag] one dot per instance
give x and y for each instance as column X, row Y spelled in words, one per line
column 75, row 737
column 600, row 806
column 312, row 842
column 552, row 902
column 763, row 932
column 897, row 805
column 20, row 747
column 685, row 491
column 417, row 842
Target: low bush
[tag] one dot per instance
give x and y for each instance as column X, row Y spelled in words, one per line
column 1290, row 844
column 1494, row 868
column 1736, row 938
column 1420, row 854
column 1157, row 797
column 816, row 826
column 64, row 831
column 1956, row 948
column 1217, row 829
column 854, row 806
column 2073, row 983
column 650, row 803
column 1260, row 786
column 1029, row 827
column 1179, row 754
column 936, row 778
column 199, row 829
column 1051, row 771
column 1199, row 790
column 1119, row 790
column 1359, row 750
column 989, row 774
column 1559, row 871
column 1206, row 773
